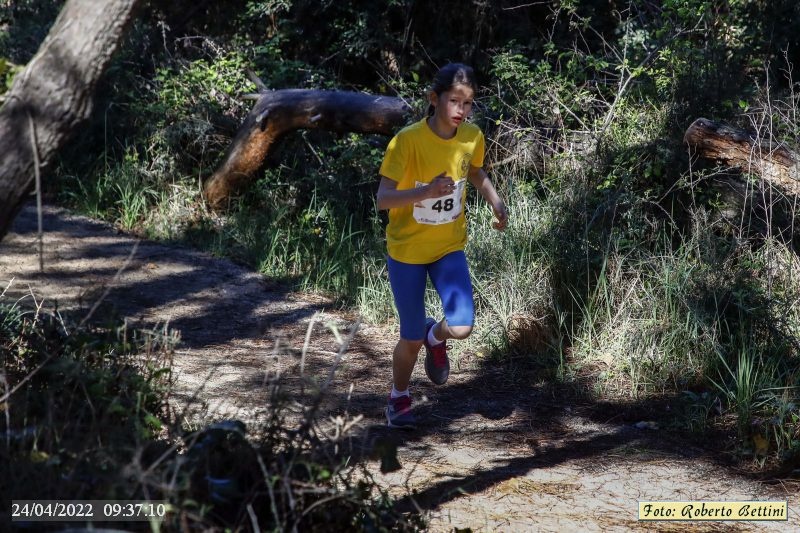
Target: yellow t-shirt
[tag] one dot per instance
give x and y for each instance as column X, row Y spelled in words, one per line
column 427, row 231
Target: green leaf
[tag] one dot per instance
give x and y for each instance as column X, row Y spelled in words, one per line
column 115, row 408
column 152, row 421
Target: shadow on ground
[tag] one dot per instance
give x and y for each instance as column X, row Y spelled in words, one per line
column 210, row 300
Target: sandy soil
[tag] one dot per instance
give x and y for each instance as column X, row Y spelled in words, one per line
column 495, row 451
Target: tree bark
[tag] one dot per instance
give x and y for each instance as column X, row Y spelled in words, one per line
column 278, row 112
column 54, row 92
column 762, row 209
column 773, row 162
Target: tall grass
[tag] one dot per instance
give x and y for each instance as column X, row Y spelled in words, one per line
column 130, row 194
column 511, row 275
column 319, row 247
column 644, row 289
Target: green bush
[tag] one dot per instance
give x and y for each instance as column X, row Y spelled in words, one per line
column 80, row 403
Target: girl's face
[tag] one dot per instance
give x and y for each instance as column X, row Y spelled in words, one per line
column 452, row 106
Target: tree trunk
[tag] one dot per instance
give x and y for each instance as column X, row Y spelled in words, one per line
column 278, row 112
column 761, row 209
column 775, row 163
column 53, row 93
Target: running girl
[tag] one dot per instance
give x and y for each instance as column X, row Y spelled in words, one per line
column 423, row 177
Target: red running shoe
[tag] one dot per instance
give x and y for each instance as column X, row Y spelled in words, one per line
column 437, row 365
column 398, row 413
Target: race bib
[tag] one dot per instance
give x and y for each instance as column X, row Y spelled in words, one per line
column 442, row 210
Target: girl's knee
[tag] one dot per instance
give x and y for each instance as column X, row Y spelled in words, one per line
column 460, row 332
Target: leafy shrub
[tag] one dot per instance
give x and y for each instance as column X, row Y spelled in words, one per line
column 79, row 403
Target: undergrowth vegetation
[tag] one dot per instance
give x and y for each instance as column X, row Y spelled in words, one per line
column 624, row 271
column 89, row 415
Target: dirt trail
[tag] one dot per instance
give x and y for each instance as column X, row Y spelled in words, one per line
column 494, row 452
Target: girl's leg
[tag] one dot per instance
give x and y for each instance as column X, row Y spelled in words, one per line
column 408, row 286
column 450, row 276
column 403, row 361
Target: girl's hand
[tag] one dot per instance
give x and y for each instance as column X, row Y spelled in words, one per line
column 501, row 213
column 442, row 185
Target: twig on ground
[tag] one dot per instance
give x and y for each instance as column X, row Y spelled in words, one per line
column 305, row 346
column 38, row 176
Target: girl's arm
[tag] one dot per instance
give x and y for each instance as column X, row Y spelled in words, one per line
column 479, row 179
column 389, row 197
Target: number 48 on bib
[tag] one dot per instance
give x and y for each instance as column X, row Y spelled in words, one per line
column 435, row 211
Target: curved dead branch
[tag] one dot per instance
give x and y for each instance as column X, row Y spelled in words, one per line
column 278, row 112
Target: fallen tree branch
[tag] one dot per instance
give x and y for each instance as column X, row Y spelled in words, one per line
column 773, row 162
column 279, row 112
column 765, row 208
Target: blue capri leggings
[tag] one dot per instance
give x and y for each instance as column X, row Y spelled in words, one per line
column 450, row 277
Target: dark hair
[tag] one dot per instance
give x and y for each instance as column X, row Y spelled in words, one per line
column 449, row 75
